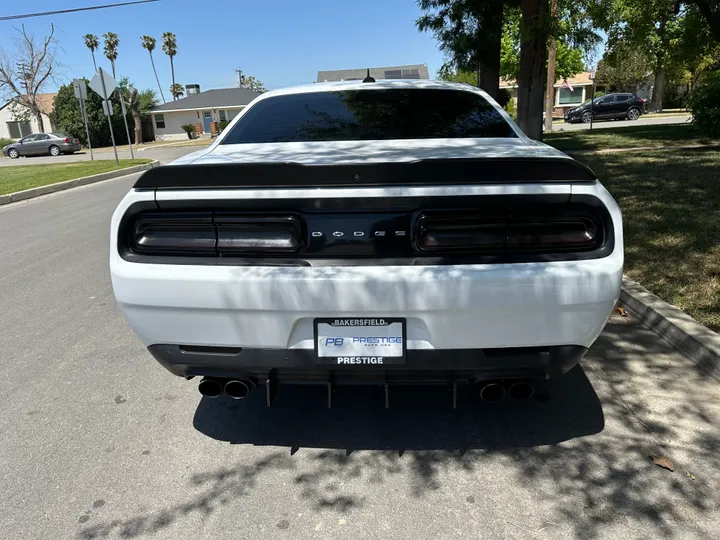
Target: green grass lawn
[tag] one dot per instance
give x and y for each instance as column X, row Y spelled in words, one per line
column 671, row 212
column 20, row 177
column 626, row 137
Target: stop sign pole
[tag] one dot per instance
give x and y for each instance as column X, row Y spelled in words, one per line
column 98, row 84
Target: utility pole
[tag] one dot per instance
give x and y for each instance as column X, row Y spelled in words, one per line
column 240, row 77
column 552, row 56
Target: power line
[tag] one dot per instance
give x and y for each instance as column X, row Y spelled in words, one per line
column 73, row 10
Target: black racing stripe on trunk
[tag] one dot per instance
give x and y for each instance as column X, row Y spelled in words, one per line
column 416, row 173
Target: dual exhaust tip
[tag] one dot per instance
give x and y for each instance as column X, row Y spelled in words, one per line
column 211, row 387
column 495, row 392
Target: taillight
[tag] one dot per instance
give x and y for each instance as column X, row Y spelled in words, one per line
column 66, row 139
column 474, row 232
column 247, row 234
column 214, row 235
column 182, row 234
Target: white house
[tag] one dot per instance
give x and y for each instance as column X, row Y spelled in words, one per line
column 202, row 108
column 12, row 127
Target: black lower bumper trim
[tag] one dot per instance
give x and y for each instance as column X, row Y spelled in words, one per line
column 422, row 366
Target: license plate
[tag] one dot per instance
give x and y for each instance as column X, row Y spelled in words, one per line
column 360, row 342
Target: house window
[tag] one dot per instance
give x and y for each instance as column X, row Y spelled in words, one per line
column 393, row 74
column 223, row 116
column 18, row 129
column 568, row 96
column 160, row 121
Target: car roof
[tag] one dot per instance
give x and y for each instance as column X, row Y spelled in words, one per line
column 380, row 84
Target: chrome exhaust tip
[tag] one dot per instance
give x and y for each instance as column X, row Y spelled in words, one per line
column 238, row 388
column 521, row 391
column 492, row 392
column 210, row 388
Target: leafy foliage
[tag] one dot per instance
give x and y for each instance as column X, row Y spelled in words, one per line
column 111, row 48
column 448, row 73
column 624, row 67
column 189, row 129
column 251, row 83
column 66, row 118
column 176, row 90
column 705, row 105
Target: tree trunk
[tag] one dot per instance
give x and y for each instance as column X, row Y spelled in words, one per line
column 156, row 78
column 138, row 127
column 94, row 63
column 531, row 80
column 658, row 89
column 40, row 121
column 172, row 71
column 550, row 84
column 489, row 57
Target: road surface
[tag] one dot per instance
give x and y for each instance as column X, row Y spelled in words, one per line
column 98, row 441
column 164, row 153
column 642, row 121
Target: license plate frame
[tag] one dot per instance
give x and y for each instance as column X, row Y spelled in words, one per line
column 361, row 360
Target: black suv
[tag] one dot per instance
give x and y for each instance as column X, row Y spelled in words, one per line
column 611, row 106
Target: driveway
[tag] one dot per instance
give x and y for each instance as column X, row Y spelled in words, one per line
column 98, row 441
column 165, row 154
column 642, row 121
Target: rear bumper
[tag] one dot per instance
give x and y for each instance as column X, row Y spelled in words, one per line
column 426, row 366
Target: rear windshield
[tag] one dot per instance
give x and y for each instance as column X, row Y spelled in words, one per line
column 363, row 115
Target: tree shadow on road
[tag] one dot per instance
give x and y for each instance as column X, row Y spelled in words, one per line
column 578, row 464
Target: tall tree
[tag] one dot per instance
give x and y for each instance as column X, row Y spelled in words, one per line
column 710, row 9
column 25, row 72
column 177, row 90
column 534, row 32
column 552, row 59
column 111, row 49
column 250, row 82
column 148, row 43
column 169, row 47
column 93, row 43
column 469, row 32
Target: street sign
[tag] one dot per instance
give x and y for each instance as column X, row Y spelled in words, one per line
column 592, row 74
column 107, row 108
column 103, row 83
column 80, row 88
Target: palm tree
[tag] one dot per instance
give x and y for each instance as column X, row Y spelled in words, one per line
column 170, row 48
column 177, row 90
column 111, row 44
column 148, row 43
column 133, row 104
column 92, row 42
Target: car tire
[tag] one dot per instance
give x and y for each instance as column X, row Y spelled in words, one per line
column 633, row 113
column 586, row 117
column 54, row 151
column 13, row 153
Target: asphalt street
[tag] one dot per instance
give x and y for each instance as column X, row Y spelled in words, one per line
column 98, row 441
column 642, row 121
column 164, row 153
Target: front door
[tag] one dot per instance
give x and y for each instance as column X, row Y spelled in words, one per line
column 207, row 119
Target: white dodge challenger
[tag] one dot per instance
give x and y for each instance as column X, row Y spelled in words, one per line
column 369, row 232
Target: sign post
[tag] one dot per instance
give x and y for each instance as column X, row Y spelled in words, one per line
column 104, row 84
column 80, row 90
column 124, row 115
column 592, row 97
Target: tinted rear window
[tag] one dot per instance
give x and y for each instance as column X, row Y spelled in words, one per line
column 359, row 115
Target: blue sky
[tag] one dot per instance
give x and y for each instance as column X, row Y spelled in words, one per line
column 281, row 42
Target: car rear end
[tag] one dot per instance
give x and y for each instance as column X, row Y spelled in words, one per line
column 66, row 144
column 435, row 255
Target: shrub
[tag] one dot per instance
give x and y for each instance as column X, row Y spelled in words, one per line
column 510, row 109
column 222, row 125
column 189, row 129
column 504, row 96
column 704, row 102
column 5, row 142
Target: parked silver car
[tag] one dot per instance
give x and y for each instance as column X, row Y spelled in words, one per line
column 39, row 144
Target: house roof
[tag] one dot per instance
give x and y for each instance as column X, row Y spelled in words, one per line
column 210, row 99
column 46, row 102
column 412, row 71
column 579, row 79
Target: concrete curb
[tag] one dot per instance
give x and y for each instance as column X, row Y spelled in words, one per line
column 68, row 184
column 675, row 326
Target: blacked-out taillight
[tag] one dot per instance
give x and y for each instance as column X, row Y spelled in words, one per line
column 253, row 234
column 191, row 234
column 514, row 232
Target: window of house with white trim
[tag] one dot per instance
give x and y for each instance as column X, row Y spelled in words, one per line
column 160, row 121
column 223, row 116
column 568, row 97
